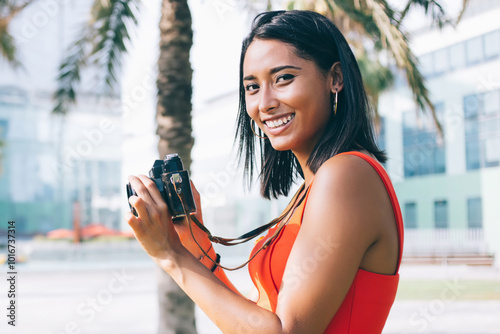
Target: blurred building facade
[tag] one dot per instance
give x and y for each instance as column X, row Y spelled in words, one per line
column 50, row 162
column 448, row 186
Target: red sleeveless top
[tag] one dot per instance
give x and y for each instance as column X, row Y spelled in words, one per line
column 367, row 304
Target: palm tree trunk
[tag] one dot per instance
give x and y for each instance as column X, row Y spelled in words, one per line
column 174, row 128
column 174, row 81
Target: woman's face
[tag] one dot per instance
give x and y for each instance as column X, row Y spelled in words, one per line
column 288, row 97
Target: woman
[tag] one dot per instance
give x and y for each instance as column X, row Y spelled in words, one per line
column 331, row 264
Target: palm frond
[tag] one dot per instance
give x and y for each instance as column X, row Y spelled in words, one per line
column 8, row 10
column 8, row 47
column 103, row 43
column 69, row 73
column 432, row 7
column 113, row 34
column 376, row 77
column 465, row 3
column 380, row 25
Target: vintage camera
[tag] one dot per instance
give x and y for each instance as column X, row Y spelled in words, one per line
column 165, row 173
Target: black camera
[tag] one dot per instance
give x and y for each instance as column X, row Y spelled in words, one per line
column 169, row 175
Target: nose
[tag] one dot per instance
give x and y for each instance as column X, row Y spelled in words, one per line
column 268, row 100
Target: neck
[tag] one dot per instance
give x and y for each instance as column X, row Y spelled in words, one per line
column 308, row 174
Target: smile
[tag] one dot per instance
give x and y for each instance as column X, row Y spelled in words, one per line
column 273, row 124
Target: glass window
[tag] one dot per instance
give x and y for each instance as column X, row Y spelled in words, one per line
column 441, row 63
column 410, row 220
column 491, row 102
column 482, row 130
column 3, row 129
column 475, row 212
column 492, row 152
column 423, row 154
column 457, row 56
column 472, row 154
column 492, row 44
column 426, row 64
column 439, row 160
column 471, row 106
column 380, row 136
column 474, row 48
column 441, row 214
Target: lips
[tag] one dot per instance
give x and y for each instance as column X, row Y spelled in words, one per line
column 279, row 122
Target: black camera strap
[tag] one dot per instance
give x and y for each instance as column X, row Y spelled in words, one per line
column 294, row 203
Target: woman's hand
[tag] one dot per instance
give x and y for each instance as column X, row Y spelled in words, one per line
column 153, row 226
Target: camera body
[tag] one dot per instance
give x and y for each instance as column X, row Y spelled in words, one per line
column 165, row 173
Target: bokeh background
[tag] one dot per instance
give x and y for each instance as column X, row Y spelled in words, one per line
column 62, row 173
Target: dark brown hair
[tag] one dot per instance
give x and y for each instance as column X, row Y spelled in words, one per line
column 315, row 38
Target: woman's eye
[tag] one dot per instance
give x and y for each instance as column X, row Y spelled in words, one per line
column 285, row 77
column 251, row 87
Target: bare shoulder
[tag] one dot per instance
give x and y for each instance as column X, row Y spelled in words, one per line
column 347, row 171
column 349, row 193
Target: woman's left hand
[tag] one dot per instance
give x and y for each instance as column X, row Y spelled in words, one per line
column 153, row 226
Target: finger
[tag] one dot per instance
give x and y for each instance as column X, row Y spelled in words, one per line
column 132, row 221
column 140, row 189
column 152, row 189
column 140, row 207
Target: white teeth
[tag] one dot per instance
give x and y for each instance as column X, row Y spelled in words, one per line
column 279, row 122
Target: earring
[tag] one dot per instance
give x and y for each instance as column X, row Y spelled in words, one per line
column 251, row 127
column 335, row 103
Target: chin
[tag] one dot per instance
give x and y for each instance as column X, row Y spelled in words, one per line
column 279, row 144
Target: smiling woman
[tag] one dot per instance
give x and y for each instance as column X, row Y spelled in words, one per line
column 330, row 262
column 287, row 96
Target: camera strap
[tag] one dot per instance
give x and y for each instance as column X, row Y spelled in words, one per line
column 294, row 202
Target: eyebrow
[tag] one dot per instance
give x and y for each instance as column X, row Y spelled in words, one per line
column 273, row 70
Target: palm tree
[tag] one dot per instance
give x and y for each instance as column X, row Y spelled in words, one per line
column 174, row 129
column 102, row 43
column 373, row 28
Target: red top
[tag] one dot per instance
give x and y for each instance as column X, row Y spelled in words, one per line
column 367, row 304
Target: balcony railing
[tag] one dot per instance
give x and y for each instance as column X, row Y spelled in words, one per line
column 444, row 241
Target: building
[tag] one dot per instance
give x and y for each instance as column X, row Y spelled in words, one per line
column 448, row 187
column 49, row 162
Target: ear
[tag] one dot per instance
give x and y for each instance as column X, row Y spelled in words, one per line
column 336, row 78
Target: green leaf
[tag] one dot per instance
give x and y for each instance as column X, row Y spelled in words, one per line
column 102, row 45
